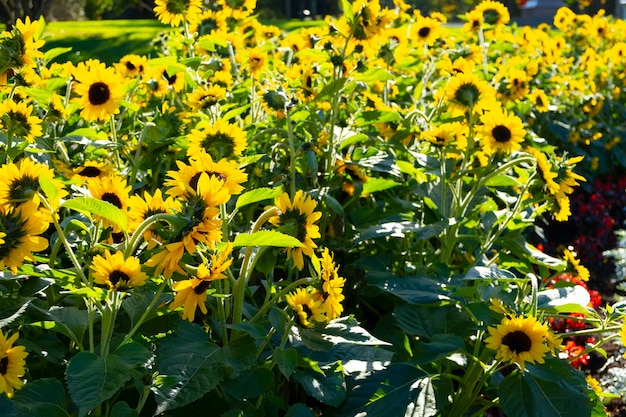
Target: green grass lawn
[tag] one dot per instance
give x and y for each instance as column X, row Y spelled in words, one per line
column 110, row 40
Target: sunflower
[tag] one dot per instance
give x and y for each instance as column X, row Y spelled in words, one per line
column 30, row 43
column 474, row 21
column 99, row 89
column 426, row 31
column 466, row 91
column 297, row 219
column 519, row 339
column 18, row 121
column 131, row 65
column 184, row 182
column 501, row 131
column 219, row 139
column 20, row 182
column 307, row 307
column 175, row 12
column 255, row 61
column 117, row 272
column 494, row 12
column 21, row 227
column 446, row 134
column 141, row 208
column 581, row 270
column 203, row 97
column 90, row 170
column 192, row 293
column 12, row 364
column 332, row 286
column 166, row 260
column 540, row 100
column 111, row 189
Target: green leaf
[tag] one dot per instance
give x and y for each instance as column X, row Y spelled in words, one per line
column 526, row 395
column 329, row 388
column 92, row 379
column 488, row 273
column 257, row 195
column 401, row 230
column 441, row 346
column 373, row 185
column 241, row 352
column 299, row 410
column 72, row 321
column 92, row 206
column 134, row 354
column 266, row 238
column 429, row 321
column 41, row 398
column 137, row 304
column 52, row 53
column 392, row 391
column 189, row 366
column 287, row 360
column 563, row 299
column 249, row 384
column 418, row 289
column 122, row 409
column 342, row 330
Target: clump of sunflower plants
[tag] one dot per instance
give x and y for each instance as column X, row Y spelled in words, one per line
column 331, row 221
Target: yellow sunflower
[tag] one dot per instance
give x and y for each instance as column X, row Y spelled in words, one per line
column 20, row 182
column 446, row 134
column 12, row 364
column 540, row 100
column 90, row 170
column 117, row 272
column 474, row 21
column 465, row 91
column 494, row 12
column 17, row 120
column 501, row 132
column 192, row 293
column 332, row 286
column 141, row 208
column 519, row 339
column 21, row 227
column 219, row 139
column 581, row 270
column 183, row 183
column 203, row 97
column 98, row 91
column 175, row 12
column 131, row 65
column 111, row 189
column 297, row 219
column 426, row 31
column 307, row 307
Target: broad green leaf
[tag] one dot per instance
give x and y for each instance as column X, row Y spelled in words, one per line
column 89, row 133
column 342, row 330
column 189, row 366
column 389, row 392
column 441, row 346
column 329, row 389
column 134, row 355
column 259, row 194
column 423, row 399
column 374, row 74
column 136, row 305
column 52, row 53
column 299, row 410
column 73, row 321
column 429, row 321
column 41, row 398
column 502, row 181
column 122, row 409
column 417, row 289
column 266, row 238
column 92, row 379
column 287, row 360
column 488, row 273
column 249, row 384
column 104, row 209
column 241, row 353
column 12, row 309
column 564, row 298
column 373, row 185
column 401, row 230
column 526, row 395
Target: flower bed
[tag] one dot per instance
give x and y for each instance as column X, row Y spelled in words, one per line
column 333, row 221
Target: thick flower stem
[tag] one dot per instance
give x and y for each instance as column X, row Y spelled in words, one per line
column 469, row 389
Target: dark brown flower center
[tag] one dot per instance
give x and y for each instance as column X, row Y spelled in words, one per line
column 90, row 172
column 423, row 32
column 119, row 277
column 517, row 341
column 113, row 199
column 4, row 365
column 202, row 287
column 99, row 93
column 501, row 134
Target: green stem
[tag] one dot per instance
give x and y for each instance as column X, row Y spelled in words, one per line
column 145, row 314
column 118, row 160
column 470, row 387
column 266, row 306
column 135, row 166
column 292, row 155
column 221, row 311
column 244, row 274
column 136, row 237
